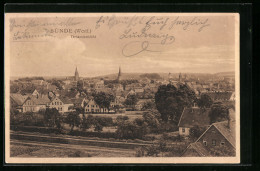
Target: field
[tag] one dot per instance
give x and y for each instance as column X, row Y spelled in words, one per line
column 132, row 115
column 31, row 149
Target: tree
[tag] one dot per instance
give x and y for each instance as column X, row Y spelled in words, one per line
column 57, row 83
column 152, row 121
column 52, row 118
column 218, row 112
column 131, row 100
column 132, row 129
column 170, row 101
column 103, row 99
column 80, row 85
column 121, row 119
column 148, row 105
column 205, row 101
column 73, row 120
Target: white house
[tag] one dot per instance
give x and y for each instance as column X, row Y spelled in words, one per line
column 61, row 104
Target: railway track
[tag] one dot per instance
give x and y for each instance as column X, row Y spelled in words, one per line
column 45, row 139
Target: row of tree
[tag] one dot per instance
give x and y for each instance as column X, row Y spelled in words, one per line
column 170, row 102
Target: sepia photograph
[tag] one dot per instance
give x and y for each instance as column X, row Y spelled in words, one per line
column 122, row 88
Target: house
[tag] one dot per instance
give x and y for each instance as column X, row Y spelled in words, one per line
column 218, row 140
column 79, row 102
column 220, row 96
column 192, row 117
column 93, row 107
column 99, row 84
column 17, row 101
column 35, row 103
column 61, row 104
column 37, row 82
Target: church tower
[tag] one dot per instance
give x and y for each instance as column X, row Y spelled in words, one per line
column 180, row 77
column 76, row 77
column 119, row 75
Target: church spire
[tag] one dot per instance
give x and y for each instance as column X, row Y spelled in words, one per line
column 119, row 74
column 76, row 77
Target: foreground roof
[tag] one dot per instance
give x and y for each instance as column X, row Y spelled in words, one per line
column 194, row 116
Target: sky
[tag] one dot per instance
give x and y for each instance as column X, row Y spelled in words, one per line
column 209, row 50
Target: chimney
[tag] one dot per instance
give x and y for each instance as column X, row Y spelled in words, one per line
column 228, row 124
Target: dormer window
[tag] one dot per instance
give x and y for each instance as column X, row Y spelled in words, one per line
column 222, row 143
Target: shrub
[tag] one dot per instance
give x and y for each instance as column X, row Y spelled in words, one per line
column 121, row 118
column 132, row 130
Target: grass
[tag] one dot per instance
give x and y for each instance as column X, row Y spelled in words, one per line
column 33, row 151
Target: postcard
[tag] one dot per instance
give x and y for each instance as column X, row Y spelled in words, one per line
column 122, row 88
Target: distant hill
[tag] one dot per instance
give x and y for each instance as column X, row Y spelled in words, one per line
column 137, row 76
column 222, row 74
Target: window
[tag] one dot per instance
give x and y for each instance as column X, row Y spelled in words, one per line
column 88, row 105
column 96, row 105
column 222, row 143
column 214, row 142
column 52, row 103
column 183, row 129
column 60, row 103
column 205, row 143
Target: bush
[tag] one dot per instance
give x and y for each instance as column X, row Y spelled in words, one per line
column 132, row 130
column 27, row 119
column 104, row 121
column 121, row 118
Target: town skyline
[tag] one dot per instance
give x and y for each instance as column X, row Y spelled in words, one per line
column 115, row 73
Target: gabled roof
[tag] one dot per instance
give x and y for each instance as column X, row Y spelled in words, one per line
column 65, row 100
column 41, row 100
column 199, row 148
column 77, row 100
column 220, row 95
column 227, row 131
column 194, row 116
column 18, row 98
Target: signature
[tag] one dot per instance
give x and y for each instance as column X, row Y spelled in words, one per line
column 136, row 47
column 165, row 38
